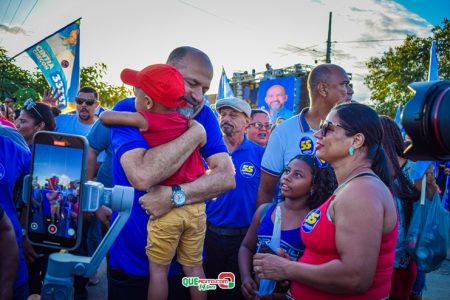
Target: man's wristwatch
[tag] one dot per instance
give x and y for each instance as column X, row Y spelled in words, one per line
column 178, row 198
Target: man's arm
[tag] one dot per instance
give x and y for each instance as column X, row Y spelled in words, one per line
column 9, row 262
column 218, row 180
column 91, row 164
column 266, row 189
column 124, row 118
column 147, row 167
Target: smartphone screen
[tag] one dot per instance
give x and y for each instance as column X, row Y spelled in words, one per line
column 57, row 177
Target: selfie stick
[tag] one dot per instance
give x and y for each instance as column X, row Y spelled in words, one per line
column 62, row 267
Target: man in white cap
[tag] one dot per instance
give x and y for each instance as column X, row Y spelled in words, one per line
column 230, row 215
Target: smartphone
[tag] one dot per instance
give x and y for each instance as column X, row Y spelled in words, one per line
column 58, row 172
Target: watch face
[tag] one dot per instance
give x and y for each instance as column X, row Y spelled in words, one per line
column 179, row 198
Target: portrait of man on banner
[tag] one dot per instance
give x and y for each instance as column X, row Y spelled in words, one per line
column 277, row 97
column 57, row 56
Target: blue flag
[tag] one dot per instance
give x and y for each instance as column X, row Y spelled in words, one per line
column 225, row 90
column 58, row 58
column 433, row 72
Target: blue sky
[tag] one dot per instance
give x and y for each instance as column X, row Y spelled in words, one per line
column 433, row 11
column 59, row 161
column 238, row 35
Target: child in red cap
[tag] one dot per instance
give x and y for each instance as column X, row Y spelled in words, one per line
column 159, row 90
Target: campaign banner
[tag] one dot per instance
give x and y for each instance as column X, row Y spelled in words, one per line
column 58, row 58
column 279, row 97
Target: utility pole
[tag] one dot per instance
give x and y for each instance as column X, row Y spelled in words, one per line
column 328, row 58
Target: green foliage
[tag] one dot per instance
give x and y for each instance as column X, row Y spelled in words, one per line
column 390, row 74
column 22, row 84
column 108, row 94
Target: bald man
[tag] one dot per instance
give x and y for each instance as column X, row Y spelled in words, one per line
column 328, row 85
column 275, row 99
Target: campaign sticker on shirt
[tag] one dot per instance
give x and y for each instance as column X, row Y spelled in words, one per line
column 2, row 171
column 322, row 163
column 311, row 220
column 306, row 145
column 248, row 169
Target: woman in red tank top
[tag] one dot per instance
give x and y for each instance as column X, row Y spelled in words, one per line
column 350, row 240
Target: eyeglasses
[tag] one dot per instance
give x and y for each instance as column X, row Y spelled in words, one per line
column 88, row 102
column 30, row 104
column 326, row 125
column 259, row 125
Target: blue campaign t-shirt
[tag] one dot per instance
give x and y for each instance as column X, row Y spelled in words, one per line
column 128, row 251
column 235, row 208
column 14, row 165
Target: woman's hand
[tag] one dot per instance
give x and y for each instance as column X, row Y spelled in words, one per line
column 270, row 266
column 248, row 288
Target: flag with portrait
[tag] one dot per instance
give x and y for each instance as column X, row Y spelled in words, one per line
column 58, row 58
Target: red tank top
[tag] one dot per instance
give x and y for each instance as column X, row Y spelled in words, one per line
column 318, row 235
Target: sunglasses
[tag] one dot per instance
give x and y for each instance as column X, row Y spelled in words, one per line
column 259, row 125
column 326, row 125
column 88, row 102
column 31, row 105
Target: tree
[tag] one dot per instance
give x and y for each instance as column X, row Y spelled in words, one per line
column 108, row 94
column 390, row 74
column 22, row 84
column 16, row 82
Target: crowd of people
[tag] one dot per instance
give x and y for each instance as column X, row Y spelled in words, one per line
column 311, row 206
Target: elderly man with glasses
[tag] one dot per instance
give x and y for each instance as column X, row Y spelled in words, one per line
column 82, row 121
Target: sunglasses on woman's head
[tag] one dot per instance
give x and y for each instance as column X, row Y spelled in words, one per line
column 326, row 125
column 31, row 105
column 88, row 102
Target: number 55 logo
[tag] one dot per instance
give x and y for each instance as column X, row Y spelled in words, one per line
column 306, row 145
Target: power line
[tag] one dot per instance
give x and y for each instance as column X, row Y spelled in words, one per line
column 24, row 20
column 368, row 41
column 17, row 9
column 6, row 11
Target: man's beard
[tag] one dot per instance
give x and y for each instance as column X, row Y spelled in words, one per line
column 275, row 105
column 186, row 111
column 227, row 129
column 84, row 117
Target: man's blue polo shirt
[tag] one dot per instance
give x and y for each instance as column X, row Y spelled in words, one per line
column 235, row 208
column 289, row 139
column 14, row 165
column 128, row 251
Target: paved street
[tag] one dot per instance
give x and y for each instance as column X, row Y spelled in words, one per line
column 438, row 283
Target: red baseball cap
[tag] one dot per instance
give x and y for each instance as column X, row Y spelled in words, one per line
column 163, row 83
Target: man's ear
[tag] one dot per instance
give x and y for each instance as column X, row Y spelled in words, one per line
column 322, row 89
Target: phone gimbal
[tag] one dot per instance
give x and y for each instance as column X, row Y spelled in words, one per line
column 62, row 267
